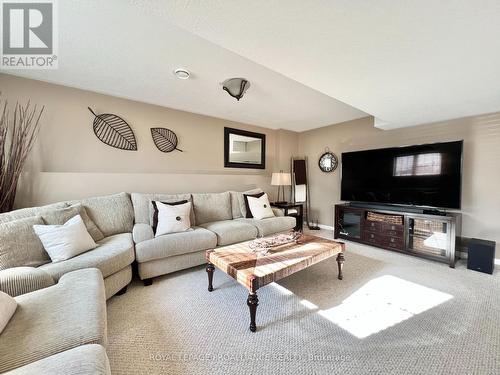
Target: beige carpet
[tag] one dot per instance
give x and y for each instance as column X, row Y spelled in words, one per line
column 392, row 314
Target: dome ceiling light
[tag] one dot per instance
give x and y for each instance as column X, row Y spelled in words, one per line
column 236, row 87
column 182, row 73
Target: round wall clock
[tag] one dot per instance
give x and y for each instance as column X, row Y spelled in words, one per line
column 328, row 162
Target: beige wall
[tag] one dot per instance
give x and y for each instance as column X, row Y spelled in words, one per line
column 70, row 162
column 481, row 164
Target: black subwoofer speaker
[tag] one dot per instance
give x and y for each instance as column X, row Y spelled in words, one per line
column 481, row 255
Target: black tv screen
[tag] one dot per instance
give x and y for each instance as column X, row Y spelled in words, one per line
column 424, row 175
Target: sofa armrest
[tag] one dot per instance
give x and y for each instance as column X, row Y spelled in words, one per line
column 278, row 211
column 21, row 280
column 142, row 232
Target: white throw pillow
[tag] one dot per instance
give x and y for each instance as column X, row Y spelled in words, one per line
column 65, row 241
column 8, row 306
column 260, row 207
column 173, row 219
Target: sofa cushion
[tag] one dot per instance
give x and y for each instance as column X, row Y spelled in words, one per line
column 112, row 214
column 175, row 244
column 62, row 215
column 82, row 360
column 231, row 231
column 55, row 319
column 21, row 280
column 29, row 212
column 142, row 232
column 112, row 254
column 19, row 245
column 212, row 207
column 271, row 225
column 238, row 202
column 8, row 306
column 143, row 208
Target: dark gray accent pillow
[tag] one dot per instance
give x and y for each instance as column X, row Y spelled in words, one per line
column 62, row 215
column 19, row 244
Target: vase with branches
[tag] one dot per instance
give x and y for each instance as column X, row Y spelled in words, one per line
column 19, row 127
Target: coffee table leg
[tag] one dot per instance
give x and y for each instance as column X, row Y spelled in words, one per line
column 340, row 263
column 252, row 303
column 210, row 271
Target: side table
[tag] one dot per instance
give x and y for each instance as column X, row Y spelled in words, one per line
column 299, row 215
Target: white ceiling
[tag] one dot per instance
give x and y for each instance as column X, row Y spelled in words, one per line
column 116, row 48
column 405, row 62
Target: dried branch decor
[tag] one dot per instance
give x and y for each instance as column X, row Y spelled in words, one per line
column 164, row 139
column 114, row 131
column 18, row 131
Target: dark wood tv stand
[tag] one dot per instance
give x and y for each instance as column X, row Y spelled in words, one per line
column 432, row 236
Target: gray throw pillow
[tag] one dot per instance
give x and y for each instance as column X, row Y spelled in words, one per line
column 19, row 244
column 209, row 207
column 24, row 213
column 62, row 215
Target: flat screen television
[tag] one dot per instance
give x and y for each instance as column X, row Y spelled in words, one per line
column 425, row 175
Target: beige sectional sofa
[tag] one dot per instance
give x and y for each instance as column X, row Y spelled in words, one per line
column 61, row 329
column 114, row 218
column 219, row 219
column 59, row 326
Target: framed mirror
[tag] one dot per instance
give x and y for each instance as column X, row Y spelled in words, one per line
column 244, row 149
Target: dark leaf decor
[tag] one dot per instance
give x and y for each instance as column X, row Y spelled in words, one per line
column 164, row 139
column 114, row 131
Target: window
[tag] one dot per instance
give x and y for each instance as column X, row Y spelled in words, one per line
column 418, row 165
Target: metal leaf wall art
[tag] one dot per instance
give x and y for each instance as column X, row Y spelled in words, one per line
column 114, row 131
column 164, row 139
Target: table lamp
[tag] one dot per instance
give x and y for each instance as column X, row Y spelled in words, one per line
column 281, row 179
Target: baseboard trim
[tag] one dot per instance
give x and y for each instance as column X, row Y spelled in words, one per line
column 327, row 227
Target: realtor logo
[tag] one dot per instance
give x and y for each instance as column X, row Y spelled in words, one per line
column 28, row 34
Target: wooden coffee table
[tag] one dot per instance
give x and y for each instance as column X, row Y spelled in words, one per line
column 254, row 270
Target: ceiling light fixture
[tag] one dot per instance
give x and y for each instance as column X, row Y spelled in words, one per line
column 236, row 87
column 182, row 73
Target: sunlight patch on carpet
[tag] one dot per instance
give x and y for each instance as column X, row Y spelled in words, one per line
column 382, row 303
column 281, row 289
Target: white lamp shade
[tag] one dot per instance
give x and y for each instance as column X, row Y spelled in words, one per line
column 281, row 179
column 286, row 179
column 275, row 179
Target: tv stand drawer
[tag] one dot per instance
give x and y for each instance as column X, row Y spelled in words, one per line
column 394, row 242
column 372, row 226
column 386, row 227
column 378, row 239
column 373, row 238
